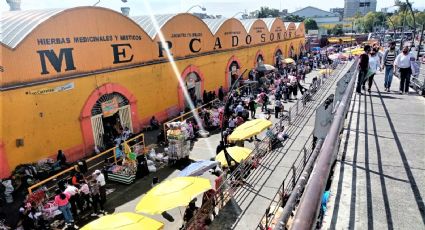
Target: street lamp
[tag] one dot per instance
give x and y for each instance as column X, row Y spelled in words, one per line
column 98, row 1
column 240, row 12
column 201, row 7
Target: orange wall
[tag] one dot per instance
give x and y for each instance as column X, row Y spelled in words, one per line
column 53, row 121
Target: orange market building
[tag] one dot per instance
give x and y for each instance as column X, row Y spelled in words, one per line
column 61, row 69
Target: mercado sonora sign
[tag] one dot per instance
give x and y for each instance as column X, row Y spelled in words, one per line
column 121, row 47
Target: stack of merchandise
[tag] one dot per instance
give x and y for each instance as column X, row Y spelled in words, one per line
column 178, row 136
column 125, row 173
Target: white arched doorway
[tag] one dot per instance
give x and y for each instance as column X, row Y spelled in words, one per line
column 110, row 115
column 260, row 60
column 194, row 88
column 233, row 73
column 278, row 57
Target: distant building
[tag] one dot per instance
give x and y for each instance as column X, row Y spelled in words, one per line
column 340, row 11
column 324, row 19
column 352, row 7
column 283, row 13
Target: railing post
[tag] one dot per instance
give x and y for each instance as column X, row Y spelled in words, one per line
column 283, row 193
column 305, row 155
column 297, row 106
column 289, row 116
column 267, row 217
column 294, row 179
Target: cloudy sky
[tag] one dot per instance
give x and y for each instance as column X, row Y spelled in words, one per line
column 224, row 7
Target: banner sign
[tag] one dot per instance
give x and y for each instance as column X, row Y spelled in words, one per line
column 57, row 89
column 110, row 107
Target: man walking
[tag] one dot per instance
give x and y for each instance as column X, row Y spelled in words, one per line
column 363, row 67
column 402, row 61
column 388, row 62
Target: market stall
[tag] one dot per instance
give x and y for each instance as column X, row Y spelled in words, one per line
column 178, row 137
column 125, row 173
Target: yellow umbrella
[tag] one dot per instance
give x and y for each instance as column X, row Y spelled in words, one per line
column 249, row 129
column 288, row 60
column 124, row 221
column 237, row 153
column 172, row 193
column 325, row 71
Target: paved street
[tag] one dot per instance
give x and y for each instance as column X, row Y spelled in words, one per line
column 379, row 179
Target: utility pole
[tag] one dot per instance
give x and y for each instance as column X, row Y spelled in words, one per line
column 414, row 21
column 420, row 41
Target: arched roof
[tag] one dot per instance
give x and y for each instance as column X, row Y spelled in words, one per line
column 16, row 25
column 214, row 24
column 247, row 23
column 269, row 22
column 147, row 25
column 290, row 24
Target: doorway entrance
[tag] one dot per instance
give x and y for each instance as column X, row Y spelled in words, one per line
column 278, row 58
column 260, row 60
column 193, row 85
column 233, row 73
column 111, row 114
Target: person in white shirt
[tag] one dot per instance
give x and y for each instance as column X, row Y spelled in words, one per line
column 374, row 61
column 100, row 180
column 402, row 61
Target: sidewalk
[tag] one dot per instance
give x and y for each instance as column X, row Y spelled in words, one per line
column 379, row 177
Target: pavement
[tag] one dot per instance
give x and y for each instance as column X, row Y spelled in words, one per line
column 379, row 177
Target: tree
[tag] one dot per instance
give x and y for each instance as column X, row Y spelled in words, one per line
column 337, row 30
column 293, row 18
column 266, row 12
column 310, row 24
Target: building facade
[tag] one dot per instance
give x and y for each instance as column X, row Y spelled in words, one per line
column 339, row 11
column 62, row 82
column 362, row 7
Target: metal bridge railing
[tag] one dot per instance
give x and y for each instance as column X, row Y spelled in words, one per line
column 308, row 208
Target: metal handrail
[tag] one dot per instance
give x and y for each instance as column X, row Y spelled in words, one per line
column 308, row 208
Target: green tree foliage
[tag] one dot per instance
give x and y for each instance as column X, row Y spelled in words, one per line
column 310, row 24
column 337, row 30
column 266, row 12
column 293, row 18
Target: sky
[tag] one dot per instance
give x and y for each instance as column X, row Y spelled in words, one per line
column 227, row 8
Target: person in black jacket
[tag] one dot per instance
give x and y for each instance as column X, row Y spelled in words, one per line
column 363, row 68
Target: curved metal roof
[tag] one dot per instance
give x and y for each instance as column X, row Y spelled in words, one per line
column 148, row 26
column 16, row 25
column 269, row 22
column 247, row 23
column 214, row 24
column 287, row 24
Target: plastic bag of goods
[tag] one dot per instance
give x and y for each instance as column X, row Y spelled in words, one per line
column 159, row 156
column 150, row 162
column 152, row 168
column 152, row 154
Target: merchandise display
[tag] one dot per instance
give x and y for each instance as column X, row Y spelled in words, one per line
column 178, row 139
column 125, row 173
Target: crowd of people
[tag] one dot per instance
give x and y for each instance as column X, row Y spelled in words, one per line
column 391, row 60
column 78, row 196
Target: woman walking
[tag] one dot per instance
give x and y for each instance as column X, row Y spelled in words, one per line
column 373, row 67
